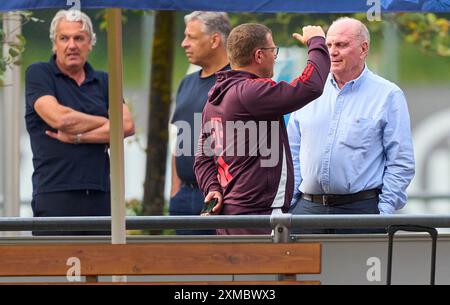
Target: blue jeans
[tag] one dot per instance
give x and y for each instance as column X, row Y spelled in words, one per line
column 188, row 201
column 305, row 207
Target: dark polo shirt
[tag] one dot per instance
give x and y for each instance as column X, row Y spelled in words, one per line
column 191, row 99
column 60, row 166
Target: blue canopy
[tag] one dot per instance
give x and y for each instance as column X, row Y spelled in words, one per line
column 260, row 6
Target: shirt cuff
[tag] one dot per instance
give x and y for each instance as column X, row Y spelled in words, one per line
column 386, row 209
column 296, row 197
column 214, row 187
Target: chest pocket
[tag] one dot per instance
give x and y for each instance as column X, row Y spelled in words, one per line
column 358, row 133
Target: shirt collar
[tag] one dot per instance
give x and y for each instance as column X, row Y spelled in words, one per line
column 89, row 71
column 225, row 68
column 354, row 83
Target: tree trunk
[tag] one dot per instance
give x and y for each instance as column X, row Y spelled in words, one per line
column 160, row 98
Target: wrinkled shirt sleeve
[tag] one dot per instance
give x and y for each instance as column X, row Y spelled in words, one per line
column 398, row 147
column 294, row 135
column 204, row 166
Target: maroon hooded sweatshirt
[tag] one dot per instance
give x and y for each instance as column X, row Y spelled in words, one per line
column 243, row 150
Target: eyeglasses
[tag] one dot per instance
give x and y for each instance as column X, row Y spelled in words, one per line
column 275, row 50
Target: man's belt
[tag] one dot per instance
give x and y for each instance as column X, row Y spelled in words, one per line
column 192, row 185
column 326, row 199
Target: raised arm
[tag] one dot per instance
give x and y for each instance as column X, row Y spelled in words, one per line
column 267, row 99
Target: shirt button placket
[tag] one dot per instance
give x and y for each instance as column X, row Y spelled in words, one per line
column 329, row 145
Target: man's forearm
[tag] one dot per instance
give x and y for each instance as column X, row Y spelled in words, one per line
column 176, row 182
column 64, row 118
column 102, row 134
column 75, row 122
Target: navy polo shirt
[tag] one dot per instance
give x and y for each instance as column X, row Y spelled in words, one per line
column 191, row 98
column 61, row 166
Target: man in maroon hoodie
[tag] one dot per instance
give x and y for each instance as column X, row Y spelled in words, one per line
column 243, row 158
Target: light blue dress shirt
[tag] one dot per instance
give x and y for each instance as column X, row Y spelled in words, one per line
column 354, row 139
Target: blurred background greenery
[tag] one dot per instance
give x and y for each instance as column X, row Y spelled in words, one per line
column 416, row 64
column 411, row 49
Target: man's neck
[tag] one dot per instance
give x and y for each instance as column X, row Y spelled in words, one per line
column 342, row 79
column 77, row 75
column 215, row 64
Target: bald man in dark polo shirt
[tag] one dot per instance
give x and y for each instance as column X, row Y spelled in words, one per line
column 67, row 119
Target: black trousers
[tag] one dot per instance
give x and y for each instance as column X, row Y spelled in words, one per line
column 305, row 207
column 70, row 204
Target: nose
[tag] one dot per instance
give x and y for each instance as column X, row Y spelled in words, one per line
column 333, row 51
column 71, row 43
column 184, row 43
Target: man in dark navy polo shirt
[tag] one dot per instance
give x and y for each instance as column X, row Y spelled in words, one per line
column 67, row 119
column 205, row 45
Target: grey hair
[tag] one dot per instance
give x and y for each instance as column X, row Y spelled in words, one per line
column 212, row 22
column 73, row 15
column 363, row 31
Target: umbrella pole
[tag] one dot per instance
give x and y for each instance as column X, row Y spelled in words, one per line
column 118, row 229
column 12, row 25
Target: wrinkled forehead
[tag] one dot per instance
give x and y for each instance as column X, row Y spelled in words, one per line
column 341, row 34
column 194, row 26
column 344, row 28
column 70, row 27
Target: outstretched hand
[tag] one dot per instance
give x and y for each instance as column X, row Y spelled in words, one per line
column 309, row 32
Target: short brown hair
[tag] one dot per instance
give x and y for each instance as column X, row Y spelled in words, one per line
column 243, row 40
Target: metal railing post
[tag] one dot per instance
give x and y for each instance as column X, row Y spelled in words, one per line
column 281, row 224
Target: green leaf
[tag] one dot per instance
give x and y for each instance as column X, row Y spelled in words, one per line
column 2, row 65
column 26, row 14
column 103, row 25
column 410, row 38
column 21, row 39
column 14, row 52
column 431, row 18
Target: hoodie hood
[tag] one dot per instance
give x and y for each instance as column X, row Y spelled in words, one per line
column 226, row 80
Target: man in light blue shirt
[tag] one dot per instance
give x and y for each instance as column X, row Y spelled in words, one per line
column 352, row 147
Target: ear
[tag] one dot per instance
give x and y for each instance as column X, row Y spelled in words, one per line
column 215, row 40
column 364, row 49
column 258, row 56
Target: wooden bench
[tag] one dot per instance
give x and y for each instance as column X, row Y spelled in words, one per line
column 96, row 260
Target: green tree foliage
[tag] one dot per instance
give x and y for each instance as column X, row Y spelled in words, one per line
column 15, row 45
column 428, row 31
column 284, row 24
